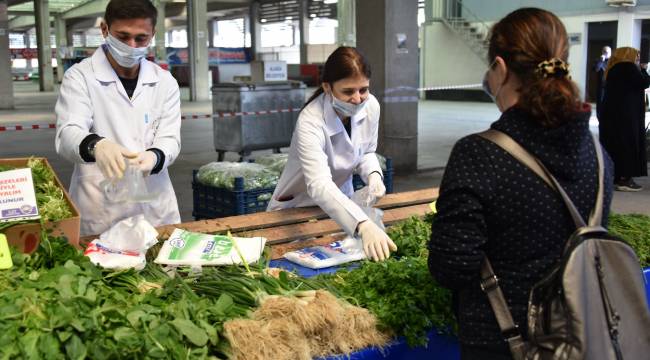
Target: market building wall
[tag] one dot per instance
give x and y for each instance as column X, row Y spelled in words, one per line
column 447, row 59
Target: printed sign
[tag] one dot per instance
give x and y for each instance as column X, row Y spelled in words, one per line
column 17, row 196
column 275, row 71
column 216, row 56
column 575, row 38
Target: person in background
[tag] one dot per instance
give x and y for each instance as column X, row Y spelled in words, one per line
column 116, row 107
column 492, row 205
column 599, row 68
column 622, row 121
column 336, row 134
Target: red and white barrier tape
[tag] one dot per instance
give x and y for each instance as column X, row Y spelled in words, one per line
column 219, row 115
column 240, row 113
column 4, row 128
column 27, row 127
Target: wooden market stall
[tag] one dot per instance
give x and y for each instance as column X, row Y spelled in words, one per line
column 292, row 229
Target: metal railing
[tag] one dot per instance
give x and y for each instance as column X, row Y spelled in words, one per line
column 471, row 28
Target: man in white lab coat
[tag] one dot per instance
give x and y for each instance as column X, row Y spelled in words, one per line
column 117, row 107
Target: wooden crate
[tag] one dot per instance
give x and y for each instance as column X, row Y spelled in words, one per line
column 25, row 237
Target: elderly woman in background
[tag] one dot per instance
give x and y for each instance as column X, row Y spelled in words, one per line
column 622, row 122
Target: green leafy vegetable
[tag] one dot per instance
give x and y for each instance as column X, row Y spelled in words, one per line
column 402, row 295
column 635, row 229
column 411, row 237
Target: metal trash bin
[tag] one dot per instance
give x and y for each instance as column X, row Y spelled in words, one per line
column 246, row 133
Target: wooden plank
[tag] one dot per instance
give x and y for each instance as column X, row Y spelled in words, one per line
column 272, row 219
column 286, row 233
column 279, row 249
column 291, row 216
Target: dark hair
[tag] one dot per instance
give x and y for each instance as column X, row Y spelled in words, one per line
column 130, row 9
column 524, row 39
column 344, row 62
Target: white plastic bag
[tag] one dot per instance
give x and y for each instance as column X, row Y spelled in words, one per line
column 131, row 188
column 124, row 245
column 336, row 253
column 195, row 249
column 340, row 252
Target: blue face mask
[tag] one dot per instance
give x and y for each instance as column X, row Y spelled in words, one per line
column 123, row 54
column 347, row 109
column 486, row 85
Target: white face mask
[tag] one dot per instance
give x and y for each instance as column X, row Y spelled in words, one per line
column 347, row 109
column 123, row 54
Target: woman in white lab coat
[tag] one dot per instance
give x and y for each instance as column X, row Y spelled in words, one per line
column 116, row 106
column 336, row 136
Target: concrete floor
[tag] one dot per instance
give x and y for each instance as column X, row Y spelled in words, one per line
column 440, row 125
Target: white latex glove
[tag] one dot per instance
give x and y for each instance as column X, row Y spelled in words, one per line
column 146, row 161
column 376, row 244
column 376, row 186
column 109, row 157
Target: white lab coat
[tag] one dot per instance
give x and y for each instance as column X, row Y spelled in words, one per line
column 322, row 160
column 93, row 100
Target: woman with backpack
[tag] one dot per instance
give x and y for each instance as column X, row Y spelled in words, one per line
column 493, row 206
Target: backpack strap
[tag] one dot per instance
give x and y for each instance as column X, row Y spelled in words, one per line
column 509, row 330
column 596, row 217
column 518, row 152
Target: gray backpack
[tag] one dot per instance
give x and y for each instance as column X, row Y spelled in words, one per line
column 592, row 304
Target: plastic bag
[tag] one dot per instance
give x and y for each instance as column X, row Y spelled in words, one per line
column 344, row 251
column 336, row 253
column 131, row 188
column 124, row 245
column 195, row 249
column 223, row 174
column 274, row 162
column 382, row 161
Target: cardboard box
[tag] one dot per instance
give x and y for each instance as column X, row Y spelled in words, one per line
column 25, row 237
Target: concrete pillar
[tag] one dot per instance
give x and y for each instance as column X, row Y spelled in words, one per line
column 212, row 31
column 28, row 44
column 387, row 33
column 255, row 29
column 161, row 52
column 629, row 29
column 303, row 23
column 434, row 10
column 346, row 32
column 6, row 79
column 45, row 74
column 61, row 42
column 69, row 36
column 198, row 49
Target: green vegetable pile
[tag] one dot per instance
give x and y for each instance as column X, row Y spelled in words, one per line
column 400, row 291
column 412, row 236
column 274, row 162
column 223, row 174
column 402, row 295
column 55, row 304
column 635, row 229
column 49, row 196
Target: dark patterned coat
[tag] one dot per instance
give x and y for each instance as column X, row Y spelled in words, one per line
column 491, row 204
